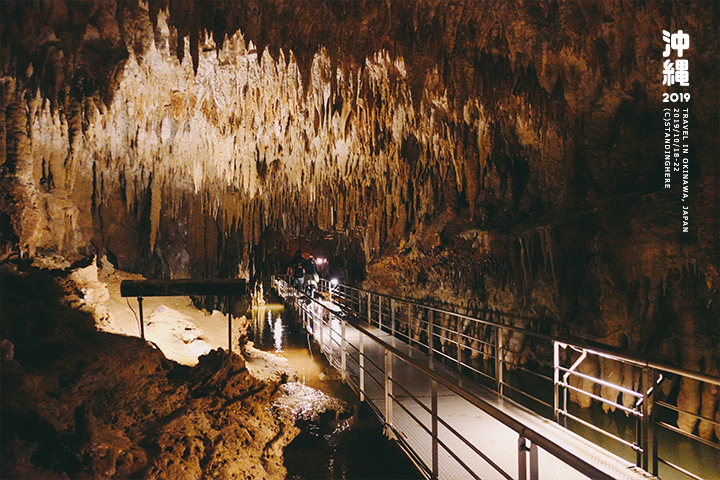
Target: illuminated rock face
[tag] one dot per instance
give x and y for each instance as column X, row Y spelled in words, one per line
column 81, row 403
column 470, row 154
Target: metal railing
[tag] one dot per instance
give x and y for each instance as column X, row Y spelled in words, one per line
column 437, row 446
column 550, row 375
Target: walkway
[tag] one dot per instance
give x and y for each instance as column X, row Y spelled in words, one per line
column 487, row 447
column 452, row 427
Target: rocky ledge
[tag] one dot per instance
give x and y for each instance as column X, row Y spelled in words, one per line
column 78, row 403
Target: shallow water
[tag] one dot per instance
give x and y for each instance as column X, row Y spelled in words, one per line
column 350, row 447
column 274, row 330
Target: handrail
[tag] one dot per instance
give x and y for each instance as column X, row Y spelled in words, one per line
column 424, row 326
column 522, row 430
column 541, row 441
column 602, row 382
column 418, row 324
column 591, row 347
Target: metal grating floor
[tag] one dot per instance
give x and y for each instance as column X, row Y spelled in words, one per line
column 490, row 436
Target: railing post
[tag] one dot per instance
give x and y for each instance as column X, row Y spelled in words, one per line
column 321, row 327
column 142, row 321
column 522, row 458
column 434, row 428
column 458, row 345
column 380, row 313
column 556, row 381
column 388, row 388
column 498, row 362
column 523, row 450
column 643, row 420
column 361, row 361
column 430, row 333
column 653, row 430
column 648, row 431
column 534, row 469
column 564, row 405
column 343, row 351
column 653, row 434
column 392, row 317
column 409, row 321
column 638, row 432
column 369, row 310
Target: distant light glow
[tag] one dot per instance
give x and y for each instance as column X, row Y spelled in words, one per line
column 333, row 288
column 320, row 260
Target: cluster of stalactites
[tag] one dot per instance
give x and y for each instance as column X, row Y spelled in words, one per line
column 345, row 148
column 341, row 146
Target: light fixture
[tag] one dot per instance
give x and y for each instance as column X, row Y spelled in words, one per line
column 320, row 260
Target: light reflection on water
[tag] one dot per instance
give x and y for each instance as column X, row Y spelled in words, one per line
column 277, row 330
column 259, row 330
column 274, row 330
column 358, row 448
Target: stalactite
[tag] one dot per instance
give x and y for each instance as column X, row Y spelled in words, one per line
column 510, row 133
column 611, row 372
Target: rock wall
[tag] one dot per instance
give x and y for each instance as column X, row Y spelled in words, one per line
column 467, row 152
column 78, row 403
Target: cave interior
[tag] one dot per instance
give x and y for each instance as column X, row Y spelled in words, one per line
column 468, row 154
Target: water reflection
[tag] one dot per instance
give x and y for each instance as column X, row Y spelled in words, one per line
column 334, row 448
column 277, row 331
column 273, row 330
column 267, row 330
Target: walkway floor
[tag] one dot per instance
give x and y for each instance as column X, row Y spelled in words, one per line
column 488, row 435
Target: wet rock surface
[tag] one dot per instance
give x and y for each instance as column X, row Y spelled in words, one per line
column 310, row 405
column 97, row 405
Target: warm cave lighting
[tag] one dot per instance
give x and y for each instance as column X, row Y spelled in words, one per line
column 277, row 330
column 277, row 335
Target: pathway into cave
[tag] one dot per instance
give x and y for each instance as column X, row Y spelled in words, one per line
column 352, row 449
column 356, row 340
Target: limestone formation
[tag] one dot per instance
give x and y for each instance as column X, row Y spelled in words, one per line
column 474, row 154
column 84, row 404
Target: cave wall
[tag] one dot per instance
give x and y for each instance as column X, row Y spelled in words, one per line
column 467, row 152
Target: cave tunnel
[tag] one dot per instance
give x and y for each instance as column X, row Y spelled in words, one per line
column 533, row 158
